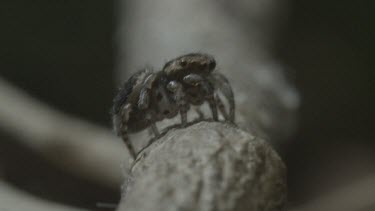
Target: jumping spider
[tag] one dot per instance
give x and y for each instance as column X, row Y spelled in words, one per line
column 148, row 97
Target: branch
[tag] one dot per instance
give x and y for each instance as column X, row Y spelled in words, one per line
column 207, row 166
column 76, row 146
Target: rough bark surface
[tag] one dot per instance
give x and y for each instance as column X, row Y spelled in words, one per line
column 208, row 166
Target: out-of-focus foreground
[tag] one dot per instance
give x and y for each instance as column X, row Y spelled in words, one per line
column 71, row 55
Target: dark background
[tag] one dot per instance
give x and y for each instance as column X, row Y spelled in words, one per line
column 330, row 47
column 62, row 52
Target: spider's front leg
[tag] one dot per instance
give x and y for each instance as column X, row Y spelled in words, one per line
column 221, row 107
column 207, row 88
column 222, row 83
column 179, row 98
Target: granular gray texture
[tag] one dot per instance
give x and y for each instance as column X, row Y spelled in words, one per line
column 208, row 166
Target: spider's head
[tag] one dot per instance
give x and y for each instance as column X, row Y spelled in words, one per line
column 198, row 63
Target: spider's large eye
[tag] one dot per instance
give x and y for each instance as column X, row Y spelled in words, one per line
column 183, row 63
column 203, row 65
column 212, row 65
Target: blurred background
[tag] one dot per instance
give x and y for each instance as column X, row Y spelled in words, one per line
column 66, row 53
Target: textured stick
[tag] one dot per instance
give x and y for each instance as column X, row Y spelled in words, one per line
column 208, row 166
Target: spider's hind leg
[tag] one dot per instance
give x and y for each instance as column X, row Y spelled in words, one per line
column 122, row 128
column 144, row 99
column 128, row 144
column 155, row 130
column 213, row 106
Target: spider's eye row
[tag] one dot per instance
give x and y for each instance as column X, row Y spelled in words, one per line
column 212, row 65
column 204, row 65
column 183, row 63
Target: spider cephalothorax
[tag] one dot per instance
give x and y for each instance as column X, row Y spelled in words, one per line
column 196, row 73
column 148, row 97
column 193, row 63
